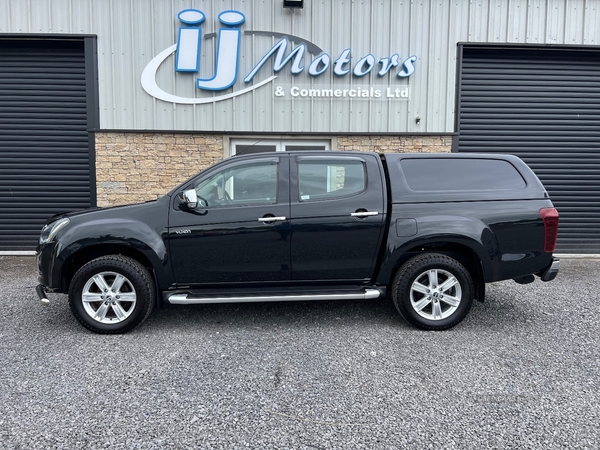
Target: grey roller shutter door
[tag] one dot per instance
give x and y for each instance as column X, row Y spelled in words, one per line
column 44, row 138
column 543, row 105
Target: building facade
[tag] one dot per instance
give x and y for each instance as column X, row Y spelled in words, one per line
column 106, row 102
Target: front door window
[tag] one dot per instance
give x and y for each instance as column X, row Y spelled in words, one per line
column 248, row 184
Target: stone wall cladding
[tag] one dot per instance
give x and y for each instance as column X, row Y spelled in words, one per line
column 137, row 167
column 396, row 144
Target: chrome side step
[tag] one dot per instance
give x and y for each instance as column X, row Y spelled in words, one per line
column 187, row 299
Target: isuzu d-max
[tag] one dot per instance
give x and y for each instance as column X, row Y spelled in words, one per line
column 428, row 230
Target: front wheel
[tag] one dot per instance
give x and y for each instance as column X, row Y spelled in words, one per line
column 112, row 294
column 433, row 291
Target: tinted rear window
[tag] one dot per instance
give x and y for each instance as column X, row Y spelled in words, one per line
column 433, row 174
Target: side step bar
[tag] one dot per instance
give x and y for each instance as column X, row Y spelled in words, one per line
column 188, row 299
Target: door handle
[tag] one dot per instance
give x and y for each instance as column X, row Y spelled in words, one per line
column 364, row 213
column 270, row 219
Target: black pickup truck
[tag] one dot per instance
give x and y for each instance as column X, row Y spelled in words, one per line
column 429, row 230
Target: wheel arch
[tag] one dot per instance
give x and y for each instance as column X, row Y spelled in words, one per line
column 460, row 251
column 84, row 255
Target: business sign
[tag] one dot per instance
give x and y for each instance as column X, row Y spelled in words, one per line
column 284, row 53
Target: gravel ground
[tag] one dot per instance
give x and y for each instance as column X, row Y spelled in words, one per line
column 521, row 371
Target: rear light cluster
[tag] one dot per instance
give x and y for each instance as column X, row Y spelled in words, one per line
column 550, row 218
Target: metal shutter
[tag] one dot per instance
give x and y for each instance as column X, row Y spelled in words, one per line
column 543, row 105
column 44, row 139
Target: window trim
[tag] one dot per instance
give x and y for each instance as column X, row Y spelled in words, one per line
column 279, row 144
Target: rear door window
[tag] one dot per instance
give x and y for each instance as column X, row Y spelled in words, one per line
column 321, row 180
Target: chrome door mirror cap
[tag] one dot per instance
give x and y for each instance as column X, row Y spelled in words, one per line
column 190, row 198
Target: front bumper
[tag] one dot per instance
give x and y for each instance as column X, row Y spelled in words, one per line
column 551, row 271
column 49, row 266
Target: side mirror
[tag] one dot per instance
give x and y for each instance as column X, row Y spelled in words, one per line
column 190, row 198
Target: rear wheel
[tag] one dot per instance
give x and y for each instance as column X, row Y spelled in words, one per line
column 112, row 294
column 433, row 291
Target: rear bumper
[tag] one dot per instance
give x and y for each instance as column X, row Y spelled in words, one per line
column 551, row 271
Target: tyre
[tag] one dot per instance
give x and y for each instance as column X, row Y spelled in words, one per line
column 112, row 294
column 433, row 291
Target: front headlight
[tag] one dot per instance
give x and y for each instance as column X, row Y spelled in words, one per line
column 49, row 231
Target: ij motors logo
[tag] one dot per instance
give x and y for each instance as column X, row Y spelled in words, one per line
column 226, row 66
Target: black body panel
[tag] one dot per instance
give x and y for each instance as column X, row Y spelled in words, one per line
column 315, row 219
column 228, row 244
column 327, row 242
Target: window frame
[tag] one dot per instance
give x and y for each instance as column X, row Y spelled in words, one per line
column 280, row 144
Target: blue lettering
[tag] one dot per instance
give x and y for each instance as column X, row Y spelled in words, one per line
column 228, row 55
column 364, row 65
column 408, row 67
column 388, row 63
column 228, row 48
column 188, row 43
column 280, row 47
column 322, row 60
column 338, row 65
